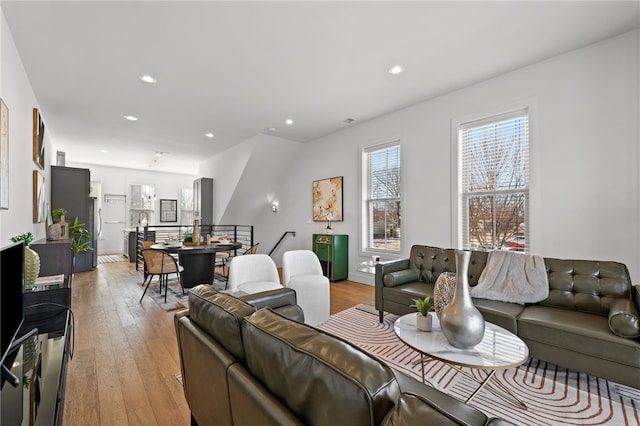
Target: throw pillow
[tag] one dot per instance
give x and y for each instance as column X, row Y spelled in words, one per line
column 393, row 279
column 443, row 291
column 624, row 319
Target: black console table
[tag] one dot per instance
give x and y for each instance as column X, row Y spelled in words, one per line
column 42, row 361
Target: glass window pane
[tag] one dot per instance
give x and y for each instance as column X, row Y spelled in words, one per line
column 510, row 224
column 385, row 220
column 481, row 222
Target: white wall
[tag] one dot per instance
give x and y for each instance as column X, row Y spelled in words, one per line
column 248, row 179
column 585, row 184
column 17, row 94
column 116, row 180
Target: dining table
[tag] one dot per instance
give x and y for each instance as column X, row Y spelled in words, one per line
column 198, row 260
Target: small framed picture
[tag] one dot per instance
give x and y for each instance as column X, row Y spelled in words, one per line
column 168, row 210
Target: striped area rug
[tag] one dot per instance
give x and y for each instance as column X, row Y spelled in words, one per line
column 554, row 395
column 111, row 258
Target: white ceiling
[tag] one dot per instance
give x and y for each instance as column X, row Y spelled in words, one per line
column 238, row 68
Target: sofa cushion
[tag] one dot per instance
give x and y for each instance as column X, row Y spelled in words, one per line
column 504, row 314
column 432, row 261
column 579, row 332
column 624, row 319
column 586, row 285
column 413, row 410
column 321, row 378
column 220, row 315
column 393, row 279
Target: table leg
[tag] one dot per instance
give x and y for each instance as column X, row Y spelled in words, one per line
column 506, row 394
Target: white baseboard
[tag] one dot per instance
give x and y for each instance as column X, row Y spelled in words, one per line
column 362, row 278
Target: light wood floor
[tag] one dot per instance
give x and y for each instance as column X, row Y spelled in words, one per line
column 126, row 356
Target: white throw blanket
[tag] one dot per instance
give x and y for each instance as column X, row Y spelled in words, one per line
column 513, row 277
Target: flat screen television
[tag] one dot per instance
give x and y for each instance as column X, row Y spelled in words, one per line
column 11, row 294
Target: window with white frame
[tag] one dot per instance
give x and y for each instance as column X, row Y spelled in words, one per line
column 494, row 190
column 381, row 198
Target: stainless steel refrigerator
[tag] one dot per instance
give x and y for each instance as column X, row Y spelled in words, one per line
column 70, row 188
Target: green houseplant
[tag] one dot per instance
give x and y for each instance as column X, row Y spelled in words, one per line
column 58, row 214
column 31, row 260
column 424, row 320
column 80, row 237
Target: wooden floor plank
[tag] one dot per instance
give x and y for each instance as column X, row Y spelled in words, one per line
column 126, row 353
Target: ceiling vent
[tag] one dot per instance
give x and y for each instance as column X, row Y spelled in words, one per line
column 349, row 120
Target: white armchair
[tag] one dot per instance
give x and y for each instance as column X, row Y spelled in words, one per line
column 253, row 273
column 302, row 272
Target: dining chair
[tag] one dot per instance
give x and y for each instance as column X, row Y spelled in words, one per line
column 160, row 263
column 301, row 271
column 223, row 258
column 253, row 274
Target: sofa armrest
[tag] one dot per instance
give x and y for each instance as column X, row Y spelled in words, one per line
column 635, row 295
column 385, row 268
column 282, row 300
column 624, row 319
column 271, row 298
column 449, row 407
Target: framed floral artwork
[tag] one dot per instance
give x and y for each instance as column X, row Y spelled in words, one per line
column 38, row 139
column 327, row 200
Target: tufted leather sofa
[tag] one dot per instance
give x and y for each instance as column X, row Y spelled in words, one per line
column 242, row 366
column 573, row 328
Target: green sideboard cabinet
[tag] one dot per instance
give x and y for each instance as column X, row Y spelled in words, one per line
column 333, row 252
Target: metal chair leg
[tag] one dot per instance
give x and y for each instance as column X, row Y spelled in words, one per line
column 146, row 287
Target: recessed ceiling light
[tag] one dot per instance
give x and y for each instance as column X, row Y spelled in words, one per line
column 131, row 118
column 271, row 129
column 148, row 79
column 160, row 153
column 289, row 121
column 209, row 135
column 396, row 69
column 104, row 151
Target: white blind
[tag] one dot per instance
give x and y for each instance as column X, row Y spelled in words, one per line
column 383, row 196
column 495, row 179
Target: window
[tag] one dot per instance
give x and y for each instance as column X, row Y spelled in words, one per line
column 381, row 196
column 186, row 206
column 494, row 191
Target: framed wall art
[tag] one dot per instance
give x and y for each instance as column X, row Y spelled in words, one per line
column 327, row 200
column 4, row 155
column 168, row 210
column 39, row 197
column 38, row 139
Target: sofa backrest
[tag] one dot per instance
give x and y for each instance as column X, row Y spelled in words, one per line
column 432, row 261
column 586, row 285
column 580, row 285
column 321, row 378
column 220, row 315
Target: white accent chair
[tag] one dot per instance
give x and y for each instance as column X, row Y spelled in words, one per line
column 253, row 273
column 302, row 272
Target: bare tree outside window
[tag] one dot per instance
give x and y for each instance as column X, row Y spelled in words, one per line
column 495, row 159
column 383, row 199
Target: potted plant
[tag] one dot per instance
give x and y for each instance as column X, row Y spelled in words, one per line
column 58, row 214
column 80, row 237
column 424, row 320
column 31, row 260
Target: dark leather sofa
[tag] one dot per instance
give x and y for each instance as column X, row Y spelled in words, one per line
column 242, row 366
column 589, row 322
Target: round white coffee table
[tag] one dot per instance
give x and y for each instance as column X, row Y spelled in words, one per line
column 499, row 350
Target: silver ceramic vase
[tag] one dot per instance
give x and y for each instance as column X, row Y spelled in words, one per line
column 462, row 324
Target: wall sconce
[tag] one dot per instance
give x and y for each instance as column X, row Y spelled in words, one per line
column 274, row 207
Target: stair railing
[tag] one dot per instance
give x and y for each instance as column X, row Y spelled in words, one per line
column 280, row 240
